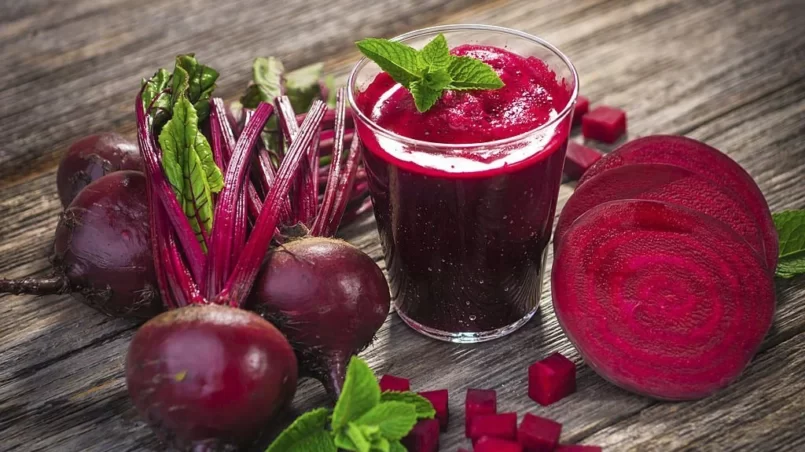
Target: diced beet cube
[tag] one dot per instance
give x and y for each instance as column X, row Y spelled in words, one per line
column 604, row 123
column 551, row 379
column 424, row 437
column 503, row 426
column 479, row 401
column 392, row 383
column 489, row 444
column 438, row 399
column 581, row 109
column 537, row 434
column 577, row 448
column 579, row 158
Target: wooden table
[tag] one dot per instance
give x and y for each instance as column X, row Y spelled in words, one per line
column 731, row 73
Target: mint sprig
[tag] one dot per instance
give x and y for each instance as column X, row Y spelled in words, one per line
column 427, row 73
column 364, row 420
column 790, row 226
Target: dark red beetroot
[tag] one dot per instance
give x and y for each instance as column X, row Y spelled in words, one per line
column 490, row 444
column 210, row 377
column 538, row 434
column 424, row 437
column 661, row 300
column 328, row 298
column 666, row 183
column 577, row 448
column 478, row 401
column 102, row 253
column 392, row 383
column 551, row 379
column 604, row 123
column 439, row 400
column 703, row 160
column 91, row 158
column 579, row 158
column 502, row 425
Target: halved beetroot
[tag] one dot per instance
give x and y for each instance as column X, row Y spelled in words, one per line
column 704, row 160
column 668, row 183
column 661, row 300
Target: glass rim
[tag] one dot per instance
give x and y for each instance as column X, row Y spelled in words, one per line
column 465, row 27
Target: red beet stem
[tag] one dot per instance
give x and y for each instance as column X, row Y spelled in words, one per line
column 328, row 121
column 225, row 216
column 343, row 188
column 164, row 193
column 327, row 205
column 240, row 282
column 305, row 185
column 34, row 286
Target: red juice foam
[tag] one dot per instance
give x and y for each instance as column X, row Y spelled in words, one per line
column 464, row 228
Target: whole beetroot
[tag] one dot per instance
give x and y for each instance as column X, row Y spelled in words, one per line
column 91, row 158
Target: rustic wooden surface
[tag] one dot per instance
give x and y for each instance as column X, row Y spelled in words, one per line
column 731, row 73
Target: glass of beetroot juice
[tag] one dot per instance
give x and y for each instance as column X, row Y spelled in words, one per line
column 464, row 194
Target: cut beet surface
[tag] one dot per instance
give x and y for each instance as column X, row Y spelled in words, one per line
column 703, row 160
column 604, row 123
column 538, row 434
column 489, row 444
column 478, row 401
column 503, row 426
column 577, row 448
column 666, row 183
column 579, row 158
column 551, row 379
column 392, row 383
column 439, row 400
column 580, row 109
column 424, row 437
column 661, row 300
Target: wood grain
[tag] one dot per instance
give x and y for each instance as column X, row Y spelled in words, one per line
column 731, row 73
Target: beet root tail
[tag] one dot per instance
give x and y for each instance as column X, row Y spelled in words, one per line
column 34, row 286
column 334, row 374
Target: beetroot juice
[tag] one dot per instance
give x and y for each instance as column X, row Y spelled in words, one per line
column 464, row 194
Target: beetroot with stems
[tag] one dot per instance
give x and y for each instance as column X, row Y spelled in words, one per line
column 424, row 437
column 704, row 160
column 661, row 300
column 551, row 379
column 604, row 123
column 501, row 425
column 538, row 434
column 392, row 383
column 210, row 376
column 91, row 158
column 491, row 444
column 102, row 250
column 666, row 183
column 439, row 400
column 477, row 402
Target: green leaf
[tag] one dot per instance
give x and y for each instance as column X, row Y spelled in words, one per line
column 156, row 88
column 329, row 82
column 470, row 73
column 424, row 97
column 397, row 446
column 380, row 444
column 790, row 226
column 360, row 393
column 195, row 81
column 302, row 86
column 267, row 81
column 395, row 419
column 308, row 433
column 358, row 437
column 423, row 407
column 400, row 61
column 436, row 79
column 436, row 54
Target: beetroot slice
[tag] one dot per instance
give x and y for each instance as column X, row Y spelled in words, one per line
column 660, row 299
column 703, row 160
column 666, row 183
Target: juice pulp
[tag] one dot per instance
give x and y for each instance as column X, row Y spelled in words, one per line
column 464, row 229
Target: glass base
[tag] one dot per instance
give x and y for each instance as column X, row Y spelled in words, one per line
column 469, row 337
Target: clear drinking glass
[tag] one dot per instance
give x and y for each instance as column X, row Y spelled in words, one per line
column 464, row 227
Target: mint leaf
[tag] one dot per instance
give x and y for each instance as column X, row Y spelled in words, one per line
column 394, row 419
column 380, row 444
column 424, row 96
column 422, row 406
column 470, row 73
column 308, row 433
column 267, row 74
column 358, row 437
column 790, row 226
column 436, row 79
column 397, row 446
column 196, row 81
column 401, row 62
column 360, row 393
column 302, row 86
column 436, row 54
